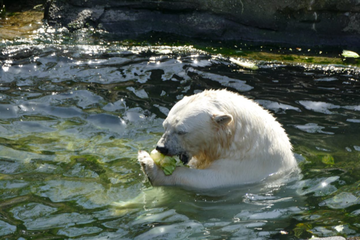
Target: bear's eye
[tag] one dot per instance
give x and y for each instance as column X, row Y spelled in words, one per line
column 180, row 132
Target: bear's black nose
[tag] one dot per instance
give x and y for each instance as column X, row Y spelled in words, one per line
column 162, row 149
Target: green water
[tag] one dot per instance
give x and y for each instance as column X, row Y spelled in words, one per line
column 74, row 113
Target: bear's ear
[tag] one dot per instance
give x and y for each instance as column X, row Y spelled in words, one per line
column 222, row 119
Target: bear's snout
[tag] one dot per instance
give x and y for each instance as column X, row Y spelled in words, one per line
column 182, row 156
column 162, row 149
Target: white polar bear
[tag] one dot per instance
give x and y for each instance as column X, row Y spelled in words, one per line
column 225, row 138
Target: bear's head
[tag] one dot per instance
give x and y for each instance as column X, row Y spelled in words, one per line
column 197, row 128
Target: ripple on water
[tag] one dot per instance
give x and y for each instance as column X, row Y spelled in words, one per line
column 76, row 232
column 6, row 228
column 318, row 186
column 342, row 200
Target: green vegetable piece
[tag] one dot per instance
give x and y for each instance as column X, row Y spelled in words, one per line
column 349, row 54
column 156, row 156
column 244, row 64
column 166, row 163
column 328, row 159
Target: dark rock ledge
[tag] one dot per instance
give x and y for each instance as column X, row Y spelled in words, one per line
column 296, row 22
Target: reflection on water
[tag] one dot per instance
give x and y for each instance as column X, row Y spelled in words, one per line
column 72, row 118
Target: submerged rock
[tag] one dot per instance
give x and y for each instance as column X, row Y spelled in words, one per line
column 325, row 22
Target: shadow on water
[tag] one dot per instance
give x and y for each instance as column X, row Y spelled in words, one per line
column 73, row 116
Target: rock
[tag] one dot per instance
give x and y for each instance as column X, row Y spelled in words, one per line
column 295, row 22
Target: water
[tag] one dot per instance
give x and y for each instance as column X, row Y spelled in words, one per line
column 73, row 116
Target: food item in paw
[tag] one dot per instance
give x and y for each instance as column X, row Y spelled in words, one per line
column 166, row 163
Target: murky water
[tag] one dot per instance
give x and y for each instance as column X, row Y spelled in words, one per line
column 72, row 118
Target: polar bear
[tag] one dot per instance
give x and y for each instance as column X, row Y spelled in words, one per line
column 224, row 138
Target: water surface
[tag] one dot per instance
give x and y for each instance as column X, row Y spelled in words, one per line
column 73, row 116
